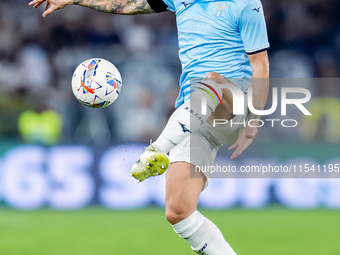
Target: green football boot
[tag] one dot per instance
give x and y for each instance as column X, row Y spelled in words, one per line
column 150, row 163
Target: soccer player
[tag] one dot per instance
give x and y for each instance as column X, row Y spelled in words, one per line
column 217, row 39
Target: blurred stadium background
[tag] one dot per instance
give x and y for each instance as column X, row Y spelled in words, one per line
column 64, row 168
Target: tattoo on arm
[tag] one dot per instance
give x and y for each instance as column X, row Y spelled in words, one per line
column 117, row 6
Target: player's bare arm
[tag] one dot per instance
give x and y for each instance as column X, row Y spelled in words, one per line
column 260, row 86
column 128, row 7
column 260, row 83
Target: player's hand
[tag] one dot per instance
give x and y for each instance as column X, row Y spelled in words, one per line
column 245, row 139
column 51, row 5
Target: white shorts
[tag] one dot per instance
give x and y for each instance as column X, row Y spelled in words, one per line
column 200, row 148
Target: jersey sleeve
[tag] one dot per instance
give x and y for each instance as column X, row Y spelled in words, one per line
column 253, row 29
column 160, row 5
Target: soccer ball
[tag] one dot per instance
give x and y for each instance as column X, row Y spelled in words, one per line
column 96, row 83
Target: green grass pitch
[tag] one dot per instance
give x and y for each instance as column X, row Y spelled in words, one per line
column 98, row 231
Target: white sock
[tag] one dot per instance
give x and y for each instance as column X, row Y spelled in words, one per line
column 203, row 235
column 188, row 118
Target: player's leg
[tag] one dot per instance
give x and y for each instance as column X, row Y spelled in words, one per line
column 182, row 193
column 184, row 121
column 224, row 110
column 188, row 117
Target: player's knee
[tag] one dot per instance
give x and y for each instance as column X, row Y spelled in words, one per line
column 216, row 77
column 213, row 75
column 175, row 214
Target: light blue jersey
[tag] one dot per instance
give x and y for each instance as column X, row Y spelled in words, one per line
column 215, row 36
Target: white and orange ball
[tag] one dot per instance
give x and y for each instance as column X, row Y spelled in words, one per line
column 96, row 83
